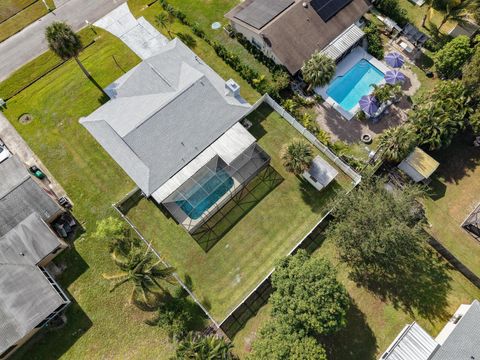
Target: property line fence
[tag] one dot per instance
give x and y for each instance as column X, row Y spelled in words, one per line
column 309, row 136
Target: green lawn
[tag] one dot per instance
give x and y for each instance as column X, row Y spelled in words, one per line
column 416, row 13
column 223, row 276
column 455, row 193
column 17, row 22
column 372, row 323
column 100, row 324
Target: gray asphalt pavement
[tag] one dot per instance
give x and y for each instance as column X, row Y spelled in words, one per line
column 30, row 42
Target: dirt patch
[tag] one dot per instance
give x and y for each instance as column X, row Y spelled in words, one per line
column 25, row 119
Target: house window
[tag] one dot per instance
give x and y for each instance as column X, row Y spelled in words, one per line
column 8, row 351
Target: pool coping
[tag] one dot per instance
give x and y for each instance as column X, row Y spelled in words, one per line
column 343, row 67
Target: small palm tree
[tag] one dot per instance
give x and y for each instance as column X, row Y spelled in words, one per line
column 318, row 70
column 140, row 268
column 165, row 20
column 297, row 156
column 385, row 92
column 66, row 44
column 397, row 142
column 200, row 347
column 457, row 11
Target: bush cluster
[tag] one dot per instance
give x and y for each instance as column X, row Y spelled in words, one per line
column 393, row 10
column 375, row 45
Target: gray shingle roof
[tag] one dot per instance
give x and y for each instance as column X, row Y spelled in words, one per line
column 26, row 296
column 21, row 196
column 163, row 114
column 464, row 341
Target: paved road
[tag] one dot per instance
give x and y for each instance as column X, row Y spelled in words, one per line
column 30, row 42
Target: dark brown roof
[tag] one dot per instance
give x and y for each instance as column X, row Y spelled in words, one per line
column 298, row 32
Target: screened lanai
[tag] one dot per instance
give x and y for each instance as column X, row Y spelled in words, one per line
column 204, row 193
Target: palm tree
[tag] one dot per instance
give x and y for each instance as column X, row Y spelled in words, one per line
column 297, row 157
column 397, row 142
column 209, row 347
column 385, row 92
column 428, row 13
column 146, row 274
column 457, row 11
column 318, row 70
column 164, row 20
column 66, row 44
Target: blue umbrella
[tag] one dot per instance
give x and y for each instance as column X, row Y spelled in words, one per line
column 394, row 59
column 369, row 104
column 394, row 77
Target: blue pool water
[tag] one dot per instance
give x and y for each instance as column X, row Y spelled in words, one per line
column 206, row 193
column 347, row 90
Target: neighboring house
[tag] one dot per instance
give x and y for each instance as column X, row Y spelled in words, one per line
column 173, row 125
column 419, row 166
column 458, row 340
column 290, row 31
column 29, row 296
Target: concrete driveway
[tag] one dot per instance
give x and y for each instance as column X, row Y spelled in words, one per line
column 30, row 42
column 138, row 34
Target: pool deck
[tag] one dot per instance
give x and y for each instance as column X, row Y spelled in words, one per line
column 343, row 67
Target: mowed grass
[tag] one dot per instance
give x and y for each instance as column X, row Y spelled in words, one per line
column 223, row 276
column 455, row 193
column 372, row 324
column 9, row 8
column 100, row 324
column 17, row 22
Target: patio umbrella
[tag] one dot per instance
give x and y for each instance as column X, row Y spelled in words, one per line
column 369, row 104
column 394, row 77
column 394, row 59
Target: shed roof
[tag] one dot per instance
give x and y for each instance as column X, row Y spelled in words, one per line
column 163, row 114
column 26, row 295
column 21, row 196
column 419, row 165
column 322, row 171
column 296, row 33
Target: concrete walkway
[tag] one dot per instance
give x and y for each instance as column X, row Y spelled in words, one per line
column 19, row 147
column 30, row 42
column 138, row 34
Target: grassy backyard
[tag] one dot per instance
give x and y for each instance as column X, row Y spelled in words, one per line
column 100, row 324
column 280, row 218
column 17, row 14
column 455, row 193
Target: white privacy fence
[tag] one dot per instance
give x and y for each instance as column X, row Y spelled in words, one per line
column 309, row 136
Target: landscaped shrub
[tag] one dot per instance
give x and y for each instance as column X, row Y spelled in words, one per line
column 393, row 10
column 451, row 58
column 375, row 44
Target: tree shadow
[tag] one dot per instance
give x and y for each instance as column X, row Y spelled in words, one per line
column 318, row 199
column 436, row 189
column 458, row 159
column 73, row 264
column 355, row 341
column 421, row 285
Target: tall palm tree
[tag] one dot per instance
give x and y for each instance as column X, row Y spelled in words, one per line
column 140, row 268
column 200, row 347
column 297, row 156
column 397, row 142
column 66, row 44
column 318, row 70
column 457, row 11
column 164, row 20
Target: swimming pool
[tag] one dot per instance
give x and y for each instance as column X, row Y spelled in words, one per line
column 347, row 90
column 205, row 193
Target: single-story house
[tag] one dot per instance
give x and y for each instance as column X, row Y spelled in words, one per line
column 29, row 296
column 173, row 125
column 290, row 31
column 419, row 166
column 459, row 339
column 320, row 174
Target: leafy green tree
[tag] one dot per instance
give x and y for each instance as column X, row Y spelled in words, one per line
column 197, row 347
column 144, row 272
column 375, row 44
column 385, row 92
column 276, row 341
column 474, row 121
column 397, row 142
column 165, row 20
column 438, row 117
column 66, row 44
column 308, row 296
column 393, row 10
column 114, row 231
column 318, row 70
column 297, row 156
column 471, row 75
column 450, row 59
column 172, row 316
